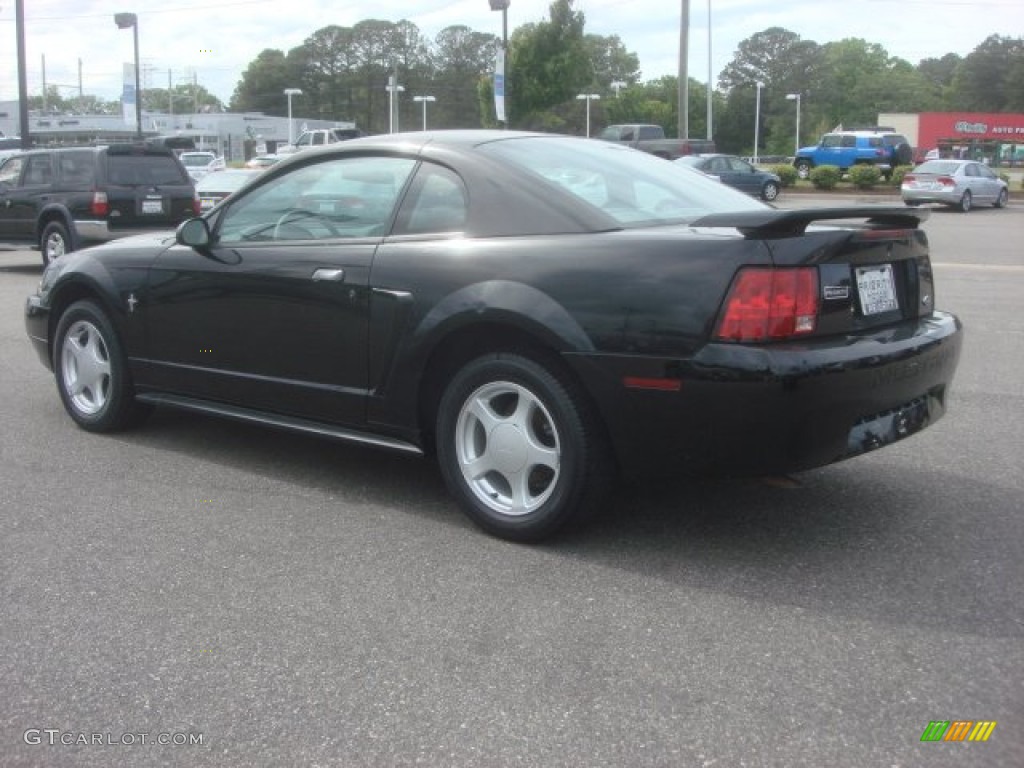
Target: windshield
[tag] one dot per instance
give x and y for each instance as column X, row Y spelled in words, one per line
column 635, row 188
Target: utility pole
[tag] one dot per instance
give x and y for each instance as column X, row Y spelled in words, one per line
column 684, row 73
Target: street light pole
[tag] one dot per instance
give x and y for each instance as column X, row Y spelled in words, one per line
column 123, row 21
column 757, row 119
column 424, row 100
column 796, row 97
column 289, row 92
column 588, row 97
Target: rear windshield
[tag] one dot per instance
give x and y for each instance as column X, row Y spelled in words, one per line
column 635, row 188
column 937, row 166
column 143, row 170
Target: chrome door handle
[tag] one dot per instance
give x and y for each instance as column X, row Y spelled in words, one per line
column 334, row 275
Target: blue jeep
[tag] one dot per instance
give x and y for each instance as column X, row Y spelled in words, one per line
column 845, row 149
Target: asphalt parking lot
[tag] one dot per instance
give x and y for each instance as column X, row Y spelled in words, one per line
column 284, row 601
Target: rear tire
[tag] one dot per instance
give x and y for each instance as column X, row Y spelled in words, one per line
column 904, row 154
column 965, row 202
column 92, row 371
column 519, row 449
column 54, row 242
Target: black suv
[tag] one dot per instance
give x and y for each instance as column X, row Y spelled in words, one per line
column 65, row 199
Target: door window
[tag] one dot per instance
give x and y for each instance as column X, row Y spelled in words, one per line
column 341, row 197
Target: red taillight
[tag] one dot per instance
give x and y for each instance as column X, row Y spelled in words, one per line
column 99, row 206
column 766, row 303
column 197, row 206
column 946, row 181
column 908, row 178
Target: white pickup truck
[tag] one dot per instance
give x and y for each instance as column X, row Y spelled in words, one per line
column 319, row 137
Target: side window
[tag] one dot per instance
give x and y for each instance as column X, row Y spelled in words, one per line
column 719, row 165
column 39, row 171
column 10, row 171
column 437, row 203
column 849, row 141
column 648, row 132
column 74, row 168
column 318, row 139
column 329, row 199
column 739, row 166
column 831, row 140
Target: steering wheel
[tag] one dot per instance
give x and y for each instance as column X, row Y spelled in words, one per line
column 288, row 218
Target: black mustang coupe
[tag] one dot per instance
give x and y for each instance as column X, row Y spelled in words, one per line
column 542, row 313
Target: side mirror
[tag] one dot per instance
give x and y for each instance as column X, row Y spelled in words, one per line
column 195, row 233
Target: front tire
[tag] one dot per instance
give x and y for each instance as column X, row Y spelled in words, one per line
column 1001, row 199
column 518, row 448
column 54, row 242
column 965, row 202
column 803, row 169
column 769, row 191
column 92, row 371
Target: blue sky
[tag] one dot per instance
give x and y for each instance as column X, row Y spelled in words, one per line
column 214, row 41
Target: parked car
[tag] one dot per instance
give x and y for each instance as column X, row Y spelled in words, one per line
column 959, row 183
column 736, row 172
column 198, row 164
column 64, row 199
column 217, row 186
column 652, row 139
column 845, row 149
column 541, row 313
column 261, row 161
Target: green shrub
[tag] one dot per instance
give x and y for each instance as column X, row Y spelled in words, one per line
column 786, row 173
column 864, row 176
column 825, row 176
column 1005, row 177
column 898, row 173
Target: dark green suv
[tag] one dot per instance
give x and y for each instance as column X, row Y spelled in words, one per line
column 845, row 149
column 65, row 199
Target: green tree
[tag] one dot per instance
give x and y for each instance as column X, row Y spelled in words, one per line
column 548, row 67
column 462, row 58
column 261, row 88
column 983, row 81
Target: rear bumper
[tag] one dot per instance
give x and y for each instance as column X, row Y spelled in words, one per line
column 780, row 408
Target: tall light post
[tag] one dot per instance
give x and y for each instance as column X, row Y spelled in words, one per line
column 393, row 89
column 588, row 97
column 501, row 72
column 757, row 119
column 123, row 21
column 289, row 92
column 709, row 70
column 423, row 100
column 796, row 97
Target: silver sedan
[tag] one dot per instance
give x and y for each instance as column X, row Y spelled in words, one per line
column 959, row 183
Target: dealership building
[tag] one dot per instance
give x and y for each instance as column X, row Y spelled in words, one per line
column 994, row 137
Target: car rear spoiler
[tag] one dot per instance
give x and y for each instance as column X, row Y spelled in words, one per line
column 775, row 222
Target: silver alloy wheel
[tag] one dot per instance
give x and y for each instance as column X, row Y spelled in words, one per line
column 55, row 246
column 85, row 368
column 508, row 448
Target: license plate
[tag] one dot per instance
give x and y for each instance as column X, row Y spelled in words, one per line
column 877, row 289
column 152, row 206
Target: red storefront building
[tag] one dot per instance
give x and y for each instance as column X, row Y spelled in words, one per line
column 996, row 137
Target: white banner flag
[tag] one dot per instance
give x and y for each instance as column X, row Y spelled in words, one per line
column 128, row 95
column 499, row 86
